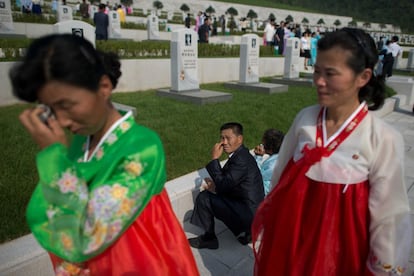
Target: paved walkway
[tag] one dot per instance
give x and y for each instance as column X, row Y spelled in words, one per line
column 234, row 259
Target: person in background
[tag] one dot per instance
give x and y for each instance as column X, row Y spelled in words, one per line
column 266, row 155
column 233, row 192
column 100, row 207
column 313, row 46
column 121, row 13
column 84, row 9
column 279, row 37
column 188, row 21
column 396, row 50
column 101, row 21
column 339, row 203
column 204, row 31
column 305, row 49
column 269, row 32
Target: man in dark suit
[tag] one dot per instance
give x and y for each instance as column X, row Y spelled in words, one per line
column 101, row 21
column 233, row 192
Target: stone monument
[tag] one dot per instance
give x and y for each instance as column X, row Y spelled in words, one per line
column 292, row 52
column 114, row 28
column 64, row 13
column 249, row 68
column 184, row 71
column 153, row 32
column 93, row 9
column 292, row 65
column 410, row 62
column 6, row 19
column 76, row 27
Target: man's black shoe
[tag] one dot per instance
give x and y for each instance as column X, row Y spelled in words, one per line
column 203, row 242
column 245, row 238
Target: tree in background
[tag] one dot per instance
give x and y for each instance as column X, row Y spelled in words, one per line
column 289, row 19
column 320, row 22
column 184, row 8
column 233, row 12
column 305, row 22
column 352, row 24
column 366, row 25
column 158, row 5
column 210, row 10
column 382, row 26
column 337, row 23
column 251, row 14
column 272, row 16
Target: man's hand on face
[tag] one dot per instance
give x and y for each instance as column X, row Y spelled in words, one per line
column 217, row 151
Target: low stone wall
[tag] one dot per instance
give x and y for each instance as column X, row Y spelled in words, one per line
column 144, row 74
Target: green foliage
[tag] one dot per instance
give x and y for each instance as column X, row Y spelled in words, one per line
column 31, row 18
column 337, row 22
column 305, row 21
column 320, row 22
column 352, row 23
column 232, row 11
column 251, row 14
column 184, row 8
column 127, row 2
column 272, row 16
column 135, row 50
column 158, row 5
column 210, row 10
column 289, row 18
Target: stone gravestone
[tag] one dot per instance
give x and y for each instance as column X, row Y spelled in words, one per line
column 249, row 69
column 184, row 71
column 249, row 59
column 292, row 51
column 76, row 27
column 184, row 55
column 410, row 62
column 114, row 28
column 64, row 13
column 93, row 9
column 6, row 19
column 153, row 32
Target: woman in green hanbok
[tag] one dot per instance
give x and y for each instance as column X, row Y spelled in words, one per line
column 99, row 207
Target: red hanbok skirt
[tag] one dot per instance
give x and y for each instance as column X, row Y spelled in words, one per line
column 305, row 227
column 153, row 245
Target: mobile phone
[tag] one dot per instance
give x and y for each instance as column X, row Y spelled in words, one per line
column 46, row 114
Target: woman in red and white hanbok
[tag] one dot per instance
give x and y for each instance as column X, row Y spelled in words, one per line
column 339, row 205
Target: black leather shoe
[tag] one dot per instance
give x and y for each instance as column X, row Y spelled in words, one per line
column 201, row 242
column 245, row 238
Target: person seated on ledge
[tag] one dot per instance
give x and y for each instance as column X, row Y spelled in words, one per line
column 271, row 141
column 233, row 193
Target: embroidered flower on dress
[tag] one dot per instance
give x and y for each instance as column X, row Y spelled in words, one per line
column 125, row 126
column 69, row 269
column 134, row 168
column 118, row 191
column 398, row 270
column 67, row 183
column 99, row 154
column 66, row 241
column 351, row 126
column 125, row 207
column 111, row 138
column 113, row 230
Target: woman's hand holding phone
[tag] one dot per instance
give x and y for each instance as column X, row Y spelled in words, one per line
column 42, row 126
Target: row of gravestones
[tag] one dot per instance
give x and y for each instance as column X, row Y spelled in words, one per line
column 184, row 56
column 67, row 24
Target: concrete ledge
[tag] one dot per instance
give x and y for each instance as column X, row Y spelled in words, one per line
column 403, row 86
column 296, row 81
column 196, row 96
column 259, row 87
